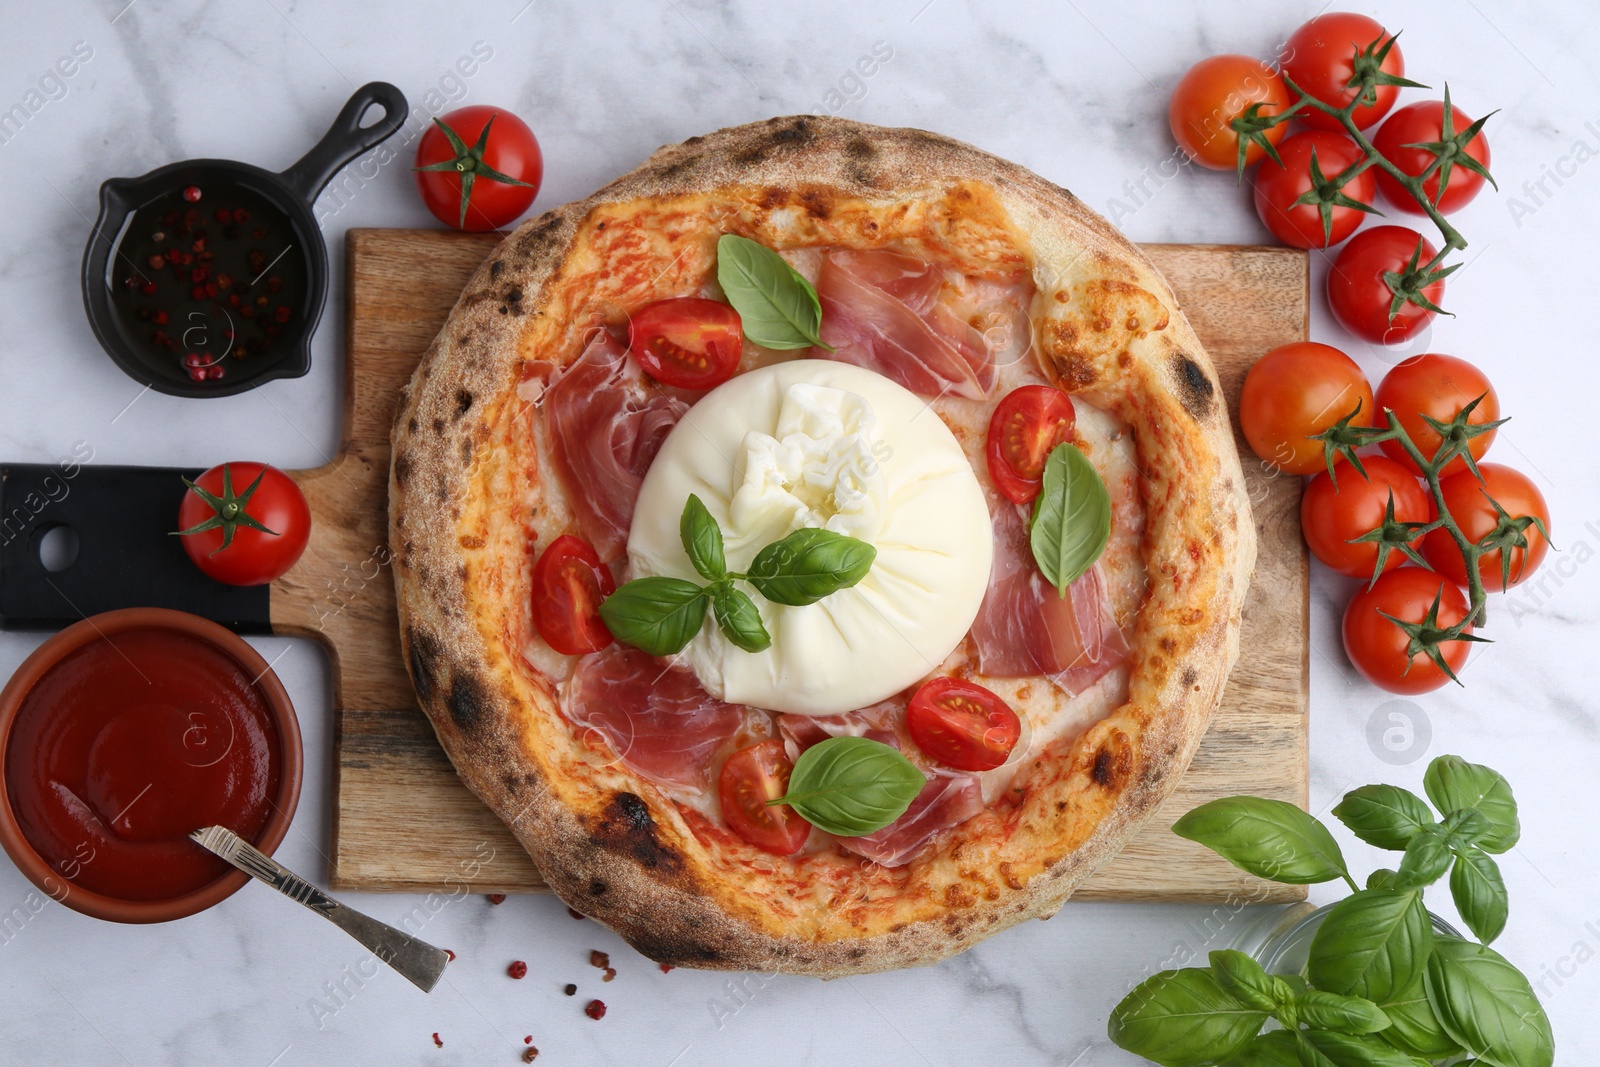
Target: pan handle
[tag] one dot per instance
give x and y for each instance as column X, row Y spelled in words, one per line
column 347, row 138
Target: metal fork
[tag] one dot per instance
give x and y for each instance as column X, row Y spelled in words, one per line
column 417, row 961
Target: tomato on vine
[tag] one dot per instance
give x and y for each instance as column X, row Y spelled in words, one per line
column 1504, row 507
column 1438, row 387
column 1211, row 95
column 1411, row 140
column 1295, row 392
column 1340, row 518
column 1327, row 54
column 1381, row 287
column 1296, row 199
column 248, row 536
column 1393, row 631
column 484, row 185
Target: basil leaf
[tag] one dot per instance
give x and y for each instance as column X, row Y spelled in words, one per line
column 1244, row 979
column 1274, row 1049
column 1414, row 1028
column 658, row 615
column 1350, row 1050
column 1465, row 827
column 1425, row 861
column 1487, row 1006
column 808, row 565
column 1384, row 815
column 1269, row 838
column 850, row 786
column 1071, row 517
column 1479, row 893
column 1372, row 944
column 1183, row 1019
column 702, row 539
column 1382, row 878
column 740, row 621
column 1453, row 784
column 1337, row 1012
column 777, row 307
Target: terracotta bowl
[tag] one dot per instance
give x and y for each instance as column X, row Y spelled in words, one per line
column 281, row 713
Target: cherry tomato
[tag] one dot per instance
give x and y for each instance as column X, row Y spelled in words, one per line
column 1468, row 501
column 569, row 582
column 962, row 725
column 1358, row 295
column 1025, row 428
column 479, row 186
column 1437, row 386
column 1295, row 391
column 1278, row 187
column 1377, row 647
column 1334, row 513
column 1423, row 123
column 222, row 517
column 1212, row 94
column 688, row 341
column 1320, row 59
column 751, row 777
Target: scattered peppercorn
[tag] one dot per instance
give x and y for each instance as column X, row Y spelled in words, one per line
column 529, row 1054
column 666, row 968
column 569, row 989
column 528, row 1040
column 192, row 194
column 576, row 914
column 452, row 955
column 518, row 969
column 494, row 898
column 437, row 1040
column 595, row 1009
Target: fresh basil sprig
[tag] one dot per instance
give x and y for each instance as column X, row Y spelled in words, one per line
column 1380, row 988
column 661, row 615
column 1071, row 517
column 851, row 786
column 777, row 307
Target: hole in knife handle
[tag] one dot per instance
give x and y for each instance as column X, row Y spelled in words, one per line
column 56, row 546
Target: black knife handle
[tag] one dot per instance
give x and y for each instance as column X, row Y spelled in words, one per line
column 127, row 556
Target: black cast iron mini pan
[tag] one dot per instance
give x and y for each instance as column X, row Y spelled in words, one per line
column 152, row 305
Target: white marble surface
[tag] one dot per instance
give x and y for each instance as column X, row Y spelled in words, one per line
column 1076, row 91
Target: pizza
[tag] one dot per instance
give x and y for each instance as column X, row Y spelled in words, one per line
column 934, row 353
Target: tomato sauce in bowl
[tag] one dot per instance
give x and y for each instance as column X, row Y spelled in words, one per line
column 121, row 735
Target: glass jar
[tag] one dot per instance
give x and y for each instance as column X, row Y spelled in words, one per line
column 1280, row 940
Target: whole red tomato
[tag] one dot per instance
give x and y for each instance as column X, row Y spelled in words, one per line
column 244, row 523
column 1468, row 501
column 1277, row 188
column 478, row 168
column 1381, row 651
column 1359, row 296
column 1212, row 94
column 1437, row 386
column 1294, row 392
column 1320, row 58
column 1423, row 123
column 1333, row 514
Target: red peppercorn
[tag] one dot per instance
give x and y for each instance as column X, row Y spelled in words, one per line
column 157, row 261
column 215, row 372
column 518, row 969
column 595, row 1009
column 575, row 913
column 225, row 280
column 530, row 1054
column 528, row 1040
column 281, row 313
column 569, row 989
column 666, row 968
column 241, row 215
column 494, row 898
column 159, row 318
column 192, row 194
column 224, row 215
column 148, row 288
column 437, row 1041
column 447, row 952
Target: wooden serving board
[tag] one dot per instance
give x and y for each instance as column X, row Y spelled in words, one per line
column 403, row 821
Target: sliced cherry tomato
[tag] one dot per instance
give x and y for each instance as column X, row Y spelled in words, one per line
column 1378, row 648
column 1360, row 298
column 1211, row 95
column 569, row 582
column 751, row 777
column 1437, row 386
column 483, row 173
column 1423, row 123
column 1320, row 59
column 1468, row 501
column 244, row 523
column 962, row 725
column 1332, row 514
column 1294, row 392
column 688, row 341
column 1277, row 188
column 1025, row 428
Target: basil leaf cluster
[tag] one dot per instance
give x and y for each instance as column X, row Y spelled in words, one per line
column 661, row 615
column 1381, row 987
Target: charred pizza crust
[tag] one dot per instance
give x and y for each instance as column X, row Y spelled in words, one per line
column 465, row 497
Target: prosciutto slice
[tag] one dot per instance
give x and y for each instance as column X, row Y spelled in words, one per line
column 800, row 732
column 1025, row 627
column 883, row 311
column 657, row 718
column 605, row 430
column 943, row 803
